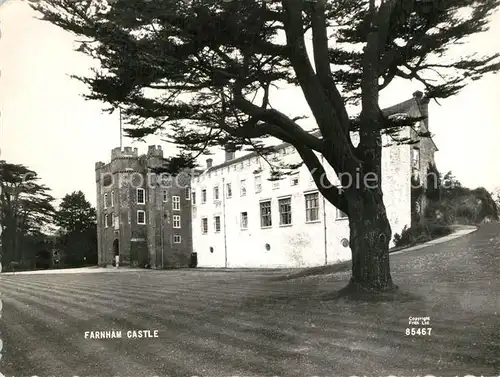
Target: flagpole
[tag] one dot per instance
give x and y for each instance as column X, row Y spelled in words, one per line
column 121, row 131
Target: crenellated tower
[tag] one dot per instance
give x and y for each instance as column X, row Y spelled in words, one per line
column 132, row 211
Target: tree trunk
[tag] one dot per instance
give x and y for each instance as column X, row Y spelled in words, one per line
column 370, row 234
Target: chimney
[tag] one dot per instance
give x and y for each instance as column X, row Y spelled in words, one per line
column 229, row 155
column 229, row 149
column 418, row 95
column 209, row 163
column 423, row 104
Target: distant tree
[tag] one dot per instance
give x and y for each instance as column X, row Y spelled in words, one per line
column 496, row 198
column 202, row 73
column 450, row 186
column 75, row 213
column 78, row 230
column 25, row 210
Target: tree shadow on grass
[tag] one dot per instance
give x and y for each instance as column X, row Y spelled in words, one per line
column 350, row 293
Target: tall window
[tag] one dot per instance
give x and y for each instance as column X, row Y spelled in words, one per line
column 416, row 158
column 176, row 203
column 176, row 222
column 265, row 214
column 217, row 224
column 341, row 215
column 285, row 206
column 177, row 238
column 258, row 183
column 193, row 199
column 105, row 201
column 141, row 217
column 312, row 207
column 187, row 193
column 165, row 196
column 243, row 187
column 229, row 191
column 141, row 196
column 112, row 198
column 216, row 193
column 204, row 225
column 203, row 196
column 244, row 220
column 106, row 220
column 113, row 219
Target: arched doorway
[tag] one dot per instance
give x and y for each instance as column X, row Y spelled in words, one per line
column 116, row 250
column 116, row 247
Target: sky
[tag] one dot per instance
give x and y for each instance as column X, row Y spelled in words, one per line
column 46, row 125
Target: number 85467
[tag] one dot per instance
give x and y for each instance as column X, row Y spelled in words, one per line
column 413, row 331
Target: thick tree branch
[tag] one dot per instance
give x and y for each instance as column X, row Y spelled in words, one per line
column 322, row 60
column 332, row 193
column 278, row 119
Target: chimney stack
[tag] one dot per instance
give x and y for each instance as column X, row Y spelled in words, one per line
column 230, row 152
column 209, row 163
column 423, row 103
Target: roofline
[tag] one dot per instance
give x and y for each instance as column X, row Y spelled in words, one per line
column 401, row 107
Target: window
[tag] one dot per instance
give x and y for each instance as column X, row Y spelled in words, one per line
column 141, row 217
column 165, row 196
column 216, row 193
column 204, row 225
column 341, row 215
column 265, row 214
column 112, row 219
column 187, row 193
column 176, row 203
column 285, row 207
column 141, row 196
column 229, row 191
column 294, row 180
column 276, row 185
column 312, row 207
column 244, row 220
column 177, row 238
column 203, row 196
column 193, row 199
column 243, row 187
column 217, row 224
column 416, row 158
column 112, row 198
column 258, row 184
column 105, row 201
column 106, row 220
column 176, row 222
column 116, row 221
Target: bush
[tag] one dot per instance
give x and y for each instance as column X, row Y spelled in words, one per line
column 421, row 233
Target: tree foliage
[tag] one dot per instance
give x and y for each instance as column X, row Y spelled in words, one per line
column 75, row 213
column 26, row 208
column 78, row 230
column 193, row 70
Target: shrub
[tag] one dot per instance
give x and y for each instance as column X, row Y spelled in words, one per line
column 420, row 233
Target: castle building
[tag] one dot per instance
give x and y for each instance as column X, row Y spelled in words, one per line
column 232, row 215
column 143, row 217
column 243, row 219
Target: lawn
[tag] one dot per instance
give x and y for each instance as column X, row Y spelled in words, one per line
column 252, row 323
